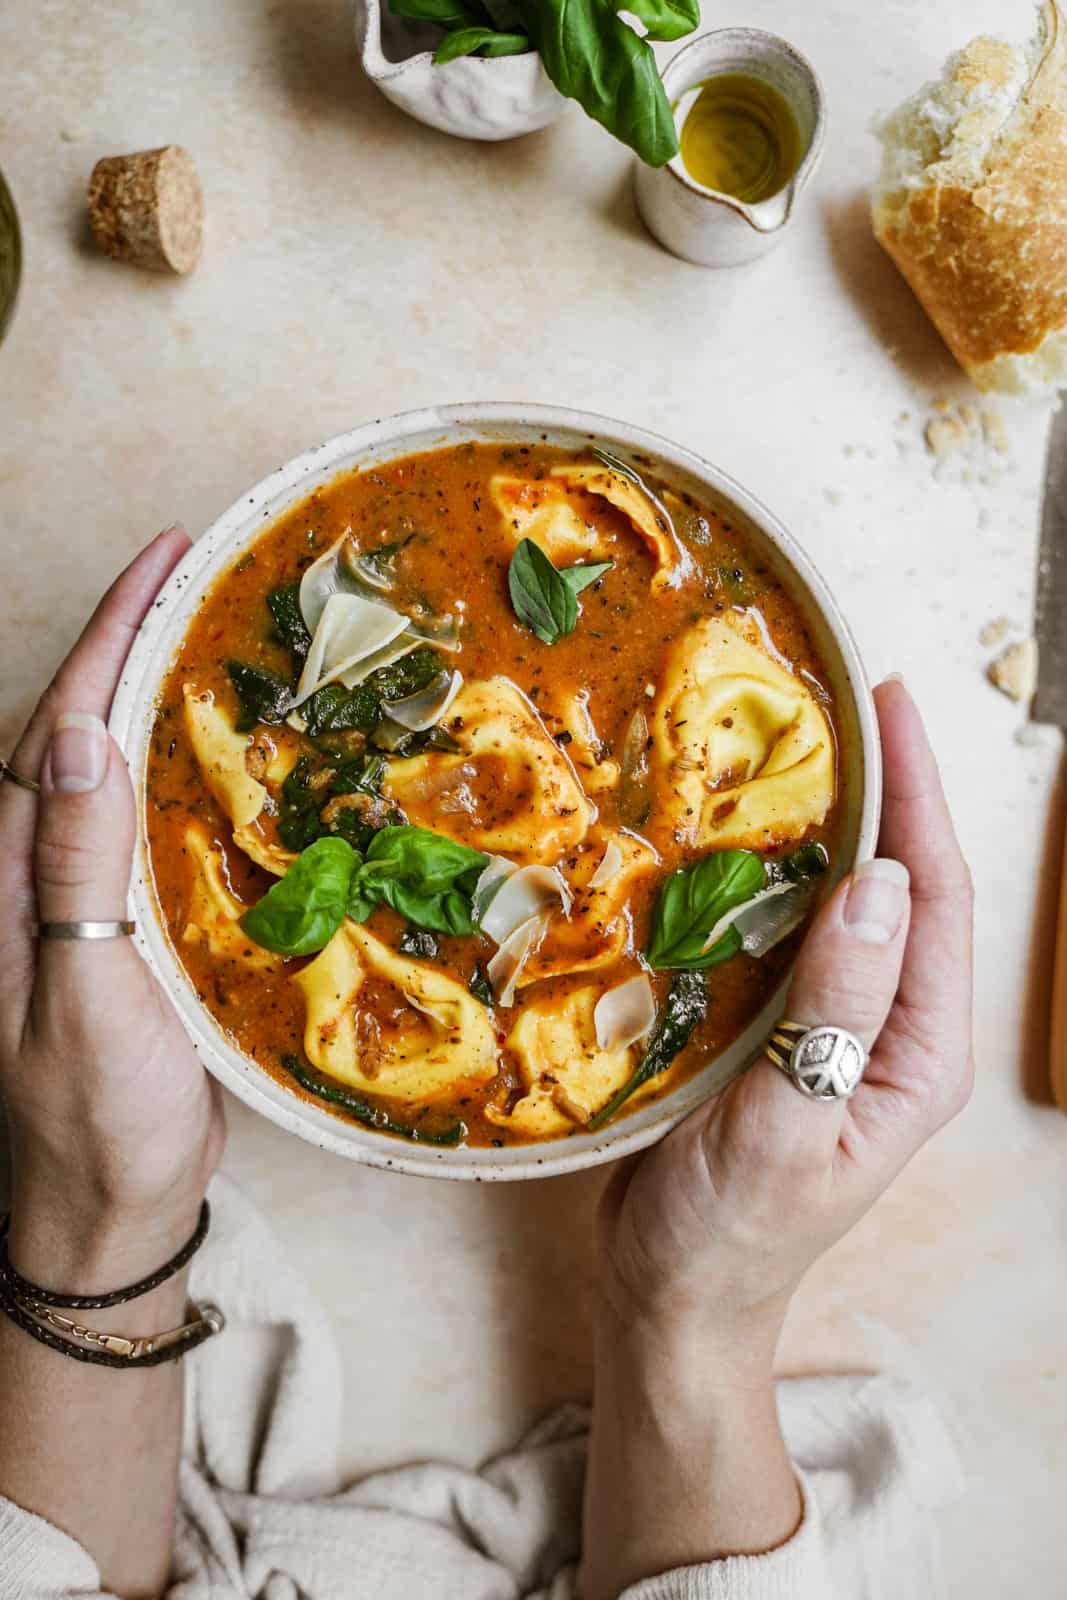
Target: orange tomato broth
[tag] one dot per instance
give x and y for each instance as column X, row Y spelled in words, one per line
column 460, row 553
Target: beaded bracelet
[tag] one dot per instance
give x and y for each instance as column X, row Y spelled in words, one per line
column 16, row 1284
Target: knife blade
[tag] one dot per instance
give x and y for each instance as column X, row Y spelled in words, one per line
column 1050, row 612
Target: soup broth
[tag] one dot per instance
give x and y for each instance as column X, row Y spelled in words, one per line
column 682, row 722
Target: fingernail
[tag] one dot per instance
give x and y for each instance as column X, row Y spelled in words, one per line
column 893, row 677
column 79, row 752
column 877, row 900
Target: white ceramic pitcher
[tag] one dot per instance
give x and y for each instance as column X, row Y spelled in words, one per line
column 701, row 224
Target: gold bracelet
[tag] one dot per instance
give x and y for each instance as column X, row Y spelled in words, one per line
column 207, row 1320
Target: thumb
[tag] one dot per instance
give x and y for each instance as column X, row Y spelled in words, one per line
column 847, row 975
column 85, row 824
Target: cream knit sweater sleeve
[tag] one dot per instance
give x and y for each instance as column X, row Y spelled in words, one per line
column 263, row 1517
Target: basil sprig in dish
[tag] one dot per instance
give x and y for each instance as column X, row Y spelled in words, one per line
column 427, row 878
column 588, row 51
column 545, row 597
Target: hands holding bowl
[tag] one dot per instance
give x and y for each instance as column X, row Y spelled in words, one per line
column 116, row 1128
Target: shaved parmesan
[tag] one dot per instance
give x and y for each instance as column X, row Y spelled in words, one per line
column 331, row 574
column 401, row 646
column 625, row 1014
column 349, row 631
column 610, row 863
column 766, row 919
column 493, row 874
column 522, row 895
column 342, row 570
column 506, row 966
column 422, row 710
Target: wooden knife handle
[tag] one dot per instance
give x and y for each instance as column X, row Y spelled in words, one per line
column 1057, row 1045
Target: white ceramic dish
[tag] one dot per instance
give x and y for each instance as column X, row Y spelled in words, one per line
column 162, row 632
column 471, row 98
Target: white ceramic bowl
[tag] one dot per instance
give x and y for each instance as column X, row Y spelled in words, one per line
column 474, row 97
column 161, row 634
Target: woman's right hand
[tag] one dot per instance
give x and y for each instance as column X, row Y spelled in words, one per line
column 115, row 1127
column 705, row 1237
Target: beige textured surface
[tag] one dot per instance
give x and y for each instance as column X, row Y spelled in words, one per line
column 356, row 264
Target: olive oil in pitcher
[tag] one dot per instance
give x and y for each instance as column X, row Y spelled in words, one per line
column 740, row 137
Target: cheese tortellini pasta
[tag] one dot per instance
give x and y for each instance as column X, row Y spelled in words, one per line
column 511, row 791
column 419, row 1033
column 743, row 753
column 565, row 1075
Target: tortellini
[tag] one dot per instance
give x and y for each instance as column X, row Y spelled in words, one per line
column 541, row 509
column 215, row 911
column 421, row 1033
column 743, row 755
column 511, row 791
column 559, row 513
column 220, row 754
column 595, row 932
column 566, row 1075
column 224, row 757
column 650, row 522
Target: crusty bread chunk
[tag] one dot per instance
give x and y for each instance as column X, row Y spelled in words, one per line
column 972, row 206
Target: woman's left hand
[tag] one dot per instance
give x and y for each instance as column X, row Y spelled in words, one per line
column 115, row 1127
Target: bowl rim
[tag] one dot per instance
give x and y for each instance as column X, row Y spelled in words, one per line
column 151, row 656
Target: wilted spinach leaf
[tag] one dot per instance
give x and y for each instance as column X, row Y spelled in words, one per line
column 284, row 606
column 262, row 696
column 365, row 1111
column 686, row 1005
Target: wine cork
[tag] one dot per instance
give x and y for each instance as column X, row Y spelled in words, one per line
column 148, row 209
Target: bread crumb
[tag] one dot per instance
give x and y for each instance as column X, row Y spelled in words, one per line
column 995, row 632
column 1014, row 672
column 945, row 435
column 833, row 497
column 1038, row 736
column 969, row 416
column 71, row 135
column 942, row 405
column 994, row 431
column 903, row 419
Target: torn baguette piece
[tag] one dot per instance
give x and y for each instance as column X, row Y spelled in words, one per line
column 147, row 209
column 972, row 207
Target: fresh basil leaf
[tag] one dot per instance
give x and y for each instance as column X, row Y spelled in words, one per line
column 445, row 13
column 289, row 624
column 365, row 1111
column 466, row 41
column 480, row 987
column 592, row 56
column 690, row 903
column 686, row 1005
column 579, row 578
column 427, row 878
column 419, row 942
column 665, row 19
column 301, row 913
column 541, row 600
column 262, row 696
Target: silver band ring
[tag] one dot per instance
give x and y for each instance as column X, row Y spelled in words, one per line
column 7, row 771
column 823, row 1062
column 83, row 930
